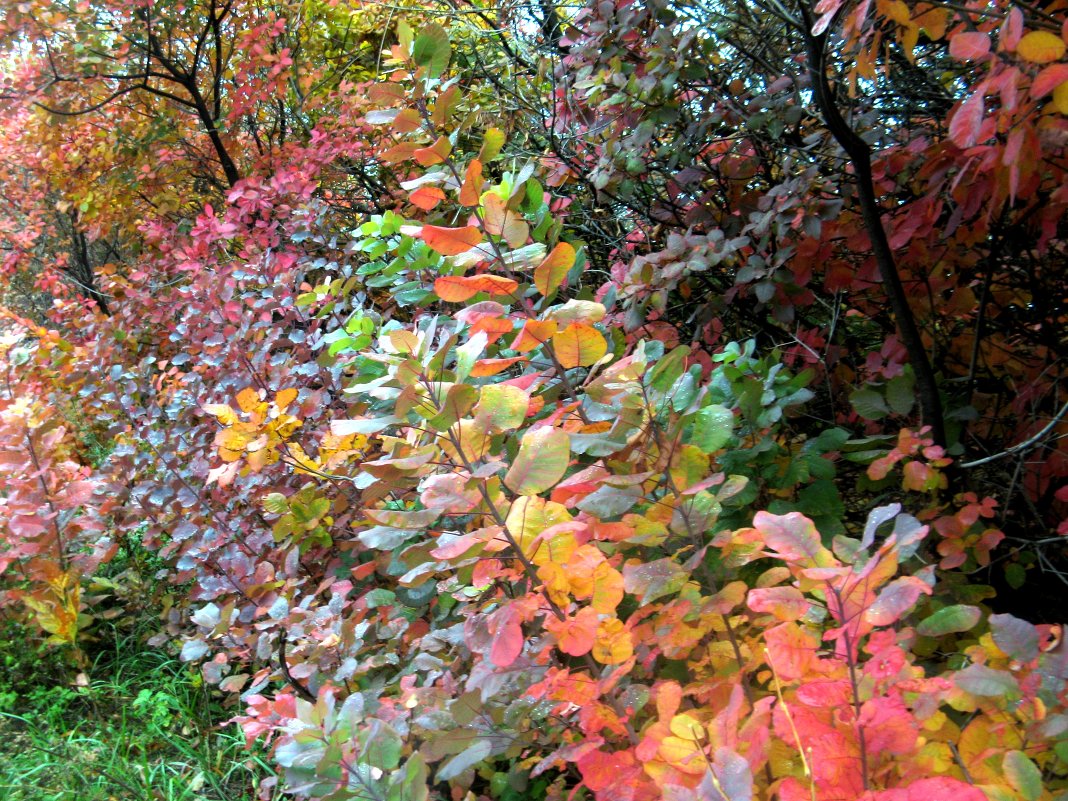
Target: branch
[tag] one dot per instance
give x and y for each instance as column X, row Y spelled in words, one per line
column 859, row 154
column 1027, row 444
column 302, row 691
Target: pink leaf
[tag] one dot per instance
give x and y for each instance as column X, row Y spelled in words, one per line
column 1049, row 79
column 507, row 635
column 970, row 46
column 964, row 126
column 897, row 598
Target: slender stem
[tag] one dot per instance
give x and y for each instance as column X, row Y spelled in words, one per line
column 859, row 154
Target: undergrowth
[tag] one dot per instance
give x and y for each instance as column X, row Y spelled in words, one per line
column 135, row 724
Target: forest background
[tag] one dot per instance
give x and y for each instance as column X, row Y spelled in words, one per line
column 473, row 400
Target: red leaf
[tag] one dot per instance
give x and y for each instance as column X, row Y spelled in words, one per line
column 575, row 635
column 793, row 537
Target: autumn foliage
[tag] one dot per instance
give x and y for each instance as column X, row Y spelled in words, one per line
column 628, row 401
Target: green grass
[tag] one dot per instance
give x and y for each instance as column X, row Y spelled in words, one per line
column 143, row 727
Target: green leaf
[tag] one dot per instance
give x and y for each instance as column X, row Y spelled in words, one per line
column 275, row 504
column 467, row 758
column 652, row 580
column 668, row 369
column 379, row 597
column 901, row 393
column 381, row 746
column 410, row 784
column 1023, row 774
column 1015, row 575
column 712, row 428
column 502, row 407
column 543, row 457
column 869, row 404
column 950, row 620
column 432, row 50
column 458, row 402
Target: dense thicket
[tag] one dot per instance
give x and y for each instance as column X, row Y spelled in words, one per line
column 649, row 400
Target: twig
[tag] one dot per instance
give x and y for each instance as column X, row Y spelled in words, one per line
column 1022, row 446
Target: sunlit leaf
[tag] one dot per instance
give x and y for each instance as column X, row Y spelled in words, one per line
column 553, row 269
column 451, row 241
column 1041, row 47
column 458, row 288
column 579, row 345
column 432, row 50
column 543, row 457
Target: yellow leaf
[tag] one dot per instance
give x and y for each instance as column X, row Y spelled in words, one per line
column 531, row 516
column 607, row 589
column 221, row 412
column 687, row 727
column 579, row 345
column 1060, row 98
column 1041, row 47
column 683, row 754
column 556, row 583
column 613, row 644
column 492, row 142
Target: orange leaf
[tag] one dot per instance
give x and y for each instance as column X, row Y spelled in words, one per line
column 451, row 241
column 1040, row 47
column 472, row 188
column 426, row 197
column 407, row 121
column 549, row 274
column 248, row 399
column 488, row 367
column 535, row 333
column 575, row 635
column 494, row 328
column 579, row 345
column 458, row 288
column 284, row 398
column 435, row 154
column 502, row 221
column 398, row 153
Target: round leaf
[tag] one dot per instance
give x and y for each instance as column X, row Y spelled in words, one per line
column 432, row 50
column 712, row 428
column 543, row 457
